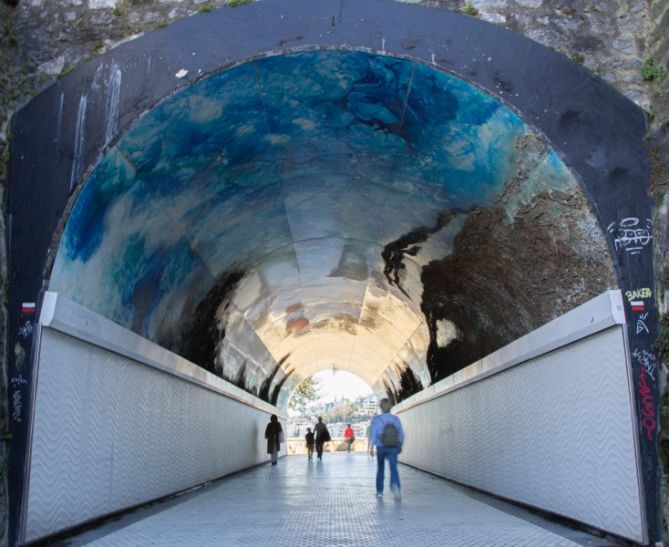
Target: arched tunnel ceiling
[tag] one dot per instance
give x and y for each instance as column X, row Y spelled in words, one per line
column 331, row 208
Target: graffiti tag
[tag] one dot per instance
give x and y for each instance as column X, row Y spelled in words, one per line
column 17, row 405
column 647, row 406
column 631, row 235
column 26, row 330
column 647, row 360
column 19, row 381
column 641, row 324
column 637, row 294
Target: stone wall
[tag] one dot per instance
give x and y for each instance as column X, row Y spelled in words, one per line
column 658, row 142
column 43, row 39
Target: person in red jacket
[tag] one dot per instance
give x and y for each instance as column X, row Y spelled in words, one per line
column 349, row 437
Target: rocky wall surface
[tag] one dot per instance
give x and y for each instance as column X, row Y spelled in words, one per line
column 485, row 291
column 656, row 64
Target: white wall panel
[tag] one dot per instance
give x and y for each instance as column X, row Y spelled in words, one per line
column 555, row 431
column 111, row 432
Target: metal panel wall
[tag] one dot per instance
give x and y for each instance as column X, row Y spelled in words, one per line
column 111, row 432
column 555, row 431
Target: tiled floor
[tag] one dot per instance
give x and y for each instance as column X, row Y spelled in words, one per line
column 332, row 503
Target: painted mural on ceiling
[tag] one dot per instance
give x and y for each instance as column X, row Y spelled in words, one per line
column 275, row 219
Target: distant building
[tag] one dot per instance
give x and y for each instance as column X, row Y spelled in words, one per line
column 368, row 405
column 362, row 409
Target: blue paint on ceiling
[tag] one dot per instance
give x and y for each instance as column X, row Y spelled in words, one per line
column 312, row 161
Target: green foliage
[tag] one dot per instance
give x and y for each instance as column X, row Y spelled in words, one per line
column 204, row 9
column 162, row 24
column 116, row 12
column 650, row 72
column 470, row 10
column 577, row 58
column 8, row 37
column 305, row 393
column 661, row 345
column 97, row 46
column 66, row 71
column 235, row 3
column 344, row 412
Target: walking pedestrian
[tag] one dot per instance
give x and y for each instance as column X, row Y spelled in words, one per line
column 322, row 437
column 387, row 435
column 309, row 440
column 274, row 436
column 349, row 437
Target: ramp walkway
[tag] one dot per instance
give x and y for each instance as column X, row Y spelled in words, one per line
column 332, row 503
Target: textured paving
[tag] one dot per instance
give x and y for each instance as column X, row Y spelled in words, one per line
column 332, row 503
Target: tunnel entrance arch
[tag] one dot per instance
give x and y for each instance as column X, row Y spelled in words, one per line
column 608, row 161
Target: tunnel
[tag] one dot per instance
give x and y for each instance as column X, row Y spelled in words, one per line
column 330, row 208
column 392, row 191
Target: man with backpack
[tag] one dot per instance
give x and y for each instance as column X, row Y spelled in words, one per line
column 387, row 435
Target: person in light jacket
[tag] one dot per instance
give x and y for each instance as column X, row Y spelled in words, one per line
column 273, row 434
column 387, row 436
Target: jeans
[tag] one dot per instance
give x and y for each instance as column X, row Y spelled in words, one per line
column 390, row 453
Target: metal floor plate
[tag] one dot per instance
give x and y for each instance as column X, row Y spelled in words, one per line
column 332, row 503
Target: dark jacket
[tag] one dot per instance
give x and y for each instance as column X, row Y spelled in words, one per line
column 322, row 433
column 272, row 435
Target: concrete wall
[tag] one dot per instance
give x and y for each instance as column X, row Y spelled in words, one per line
column 120, row 421
column 546, row 421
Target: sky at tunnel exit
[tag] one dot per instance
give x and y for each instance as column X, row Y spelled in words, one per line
column 338, row 384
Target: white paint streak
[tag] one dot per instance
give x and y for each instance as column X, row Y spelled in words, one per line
column 113, row 99
column 78, row 142
column 59, row 124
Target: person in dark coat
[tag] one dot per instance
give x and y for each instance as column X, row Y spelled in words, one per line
column 322, row 437
column 309, row 440
column 273, row 434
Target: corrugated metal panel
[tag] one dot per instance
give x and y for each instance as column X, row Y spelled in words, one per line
column 555, row 432
column 111, row 432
